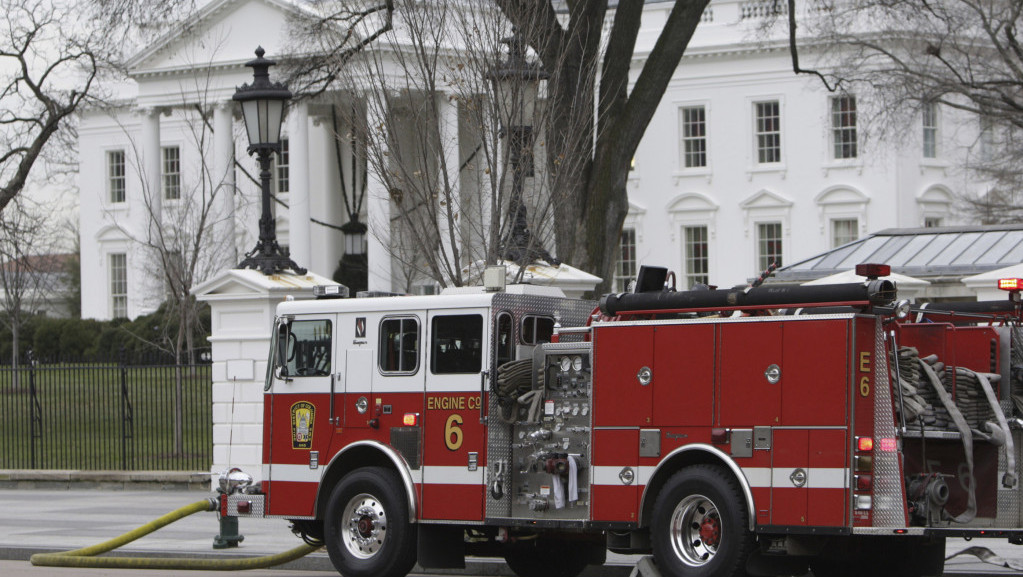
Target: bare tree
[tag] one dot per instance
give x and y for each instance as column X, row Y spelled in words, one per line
column 29, row 273
column 47, row 70
column 430, row 135
column 907, row 56
column 591, row 169
column 183, row 237
column 587, row 129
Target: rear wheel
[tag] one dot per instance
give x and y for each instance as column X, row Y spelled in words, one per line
column 699, row 527
column 367, row 531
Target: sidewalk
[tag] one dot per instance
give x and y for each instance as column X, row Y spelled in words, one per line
column 54, row 513
column 44, row 515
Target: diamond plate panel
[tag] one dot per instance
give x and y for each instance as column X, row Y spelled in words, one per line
column 889, row 510
column 257, row 505
column 568, row 312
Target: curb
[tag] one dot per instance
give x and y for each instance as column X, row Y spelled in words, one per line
column 107, row 480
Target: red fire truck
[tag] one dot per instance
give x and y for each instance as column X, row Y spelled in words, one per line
column 759, row 431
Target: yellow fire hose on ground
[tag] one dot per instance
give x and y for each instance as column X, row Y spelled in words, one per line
column 86, row 557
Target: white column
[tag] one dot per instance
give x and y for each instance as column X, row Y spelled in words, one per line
column 151, row 169
column 447, row 119
column 223, row 176
column 378, row 203
column 298, row 186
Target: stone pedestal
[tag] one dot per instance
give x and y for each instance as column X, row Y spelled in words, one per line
column 242, row 305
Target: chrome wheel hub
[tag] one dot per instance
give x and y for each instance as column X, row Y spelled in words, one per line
column 695, row 530
column 365, row 526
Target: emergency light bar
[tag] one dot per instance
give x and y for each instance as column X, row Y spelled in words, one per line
column 1010, row 284
column 330, row 291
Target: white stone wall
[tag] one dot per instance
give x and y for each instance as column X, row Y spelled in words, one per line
column 242, row 305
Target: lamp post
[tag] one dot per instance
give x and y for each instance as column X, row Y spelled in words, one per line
column 263, row 107
column 516, row 82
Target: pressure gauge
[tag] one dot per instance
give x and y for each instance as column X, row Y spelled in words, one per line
column 577, row 363
column 566, row 363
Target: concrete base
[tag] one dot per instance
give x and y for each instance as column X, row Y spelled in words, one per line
column 109, row 480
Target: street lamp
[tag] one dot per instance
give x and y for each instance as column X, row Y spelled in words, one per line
column 516, row 83
column 355, row 236
column 263, row 107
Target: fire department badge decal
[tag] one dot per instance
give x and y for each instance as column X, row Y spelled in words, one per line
column 302, row 415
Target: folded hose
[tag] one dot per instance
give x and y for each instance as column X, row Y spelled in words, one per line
column 85, row 557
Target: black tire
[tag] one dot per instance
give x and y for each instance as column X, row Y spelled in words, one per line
column 367, row 529
column 547, row 558
column 700, row 526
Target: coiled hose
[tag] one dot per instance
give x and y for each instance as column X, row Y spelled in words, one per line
column 86, row 557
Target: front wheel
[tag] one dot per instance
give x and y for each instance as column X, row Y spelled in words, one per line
column 367, row 531
column 699, row 527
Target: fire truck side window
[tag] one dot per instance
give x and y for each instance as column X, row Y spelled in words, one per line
column 457, row 344
column 537, row 330
column 504, row 343
column 399, row 346
column 309, row 349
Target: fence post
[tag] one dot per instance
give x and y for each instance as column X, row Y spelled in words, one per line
column 127, row 416
column 35, row 408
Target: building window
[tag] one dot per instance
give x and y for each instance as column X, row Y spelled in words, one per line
column 768, row 245
column 696, row 258
column 116, row 175
column 284, row 168
column 843, row 126
column 625, row 270
column 843, row 231
column 768, row 131
column 694, row 136
column 930, row 128
column 171, row 172
column 933, row 221
column 118, row 285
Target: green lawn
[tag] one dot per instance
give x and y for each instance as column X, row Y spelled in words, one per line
column 83, row 423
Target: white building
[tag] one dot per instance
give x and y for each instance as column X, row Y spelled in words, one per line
column 743, row 163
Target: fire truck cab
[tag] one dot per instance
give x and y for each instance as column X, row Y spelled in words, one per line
column 761, row 430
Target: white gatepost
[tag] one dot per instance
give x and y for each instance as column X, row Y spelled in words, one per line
column 242, row 306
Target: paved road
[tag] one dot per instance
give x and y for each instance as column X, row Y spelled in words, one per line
column 33, row 521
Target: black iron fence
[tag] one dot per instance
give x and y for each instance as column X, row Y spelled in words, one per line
column 106, row 416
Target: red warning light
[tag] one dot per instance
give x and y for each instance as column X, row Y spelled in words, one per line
column 865, row 444
column 410, row 419
column 873, row 270
column 1010, row 284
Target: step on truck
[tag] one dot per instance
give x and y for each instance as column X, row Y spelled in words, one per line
column 758, row 430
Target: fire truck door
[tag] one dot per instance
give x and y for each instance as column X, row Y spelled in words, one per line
column 623, row 368
column 751, row 374
column 454, row 440
column 299, row 412
column 383, row 376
